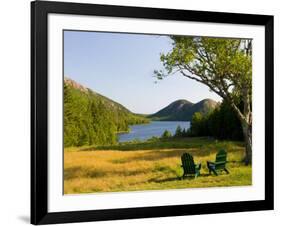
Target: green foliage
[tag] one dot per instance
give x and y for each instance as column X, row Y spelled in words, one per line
column 91, row 119
column 225, row 65
column 178, row 132
column 184, row 132
column 153, row 139
column 199, row 125
column 222, row 123
column 166, row 134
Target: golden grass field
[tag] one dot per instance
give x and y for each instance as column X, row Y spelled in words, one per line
column 93, row 169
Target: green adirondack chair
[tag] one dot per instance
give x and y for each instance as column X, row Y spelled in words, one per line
column 189, row 167
column 219, row 164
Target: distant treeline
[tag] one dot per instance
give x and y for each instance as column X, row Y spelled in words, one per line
column 92, row 119
column 221, row 123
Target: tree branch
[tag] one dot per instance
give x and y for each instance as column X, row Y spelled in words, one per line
column 205, row 82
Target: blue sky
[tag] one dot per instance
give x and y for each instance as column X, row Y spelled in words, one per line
column 120, row 67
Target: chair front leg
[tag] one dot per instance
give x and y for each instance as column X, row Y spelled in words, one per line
column 215, row 172
column 210, row 166
column 226, row 170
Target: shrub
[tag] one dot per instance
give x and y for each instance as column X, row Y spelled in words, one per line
column 166, row 134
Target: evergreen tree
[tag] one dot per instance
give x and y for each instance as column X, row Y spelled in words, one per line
column 178, row 132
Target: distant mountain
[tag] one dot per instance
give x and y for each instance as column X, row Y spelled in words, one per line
column 93, row 119
column 182, row 110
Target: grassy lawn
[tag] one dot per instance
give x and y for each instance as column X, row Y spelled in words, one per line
column 150, row 165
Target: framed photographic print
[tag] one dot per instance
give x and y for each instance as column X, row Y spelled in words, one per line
column 145, row 112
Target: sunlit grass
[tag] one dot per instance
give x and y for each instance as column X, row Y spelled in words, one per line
column 136, row 167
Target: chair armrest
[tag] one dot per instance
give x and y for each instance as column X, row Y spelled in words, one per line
column 221, row 162
column 211, row 165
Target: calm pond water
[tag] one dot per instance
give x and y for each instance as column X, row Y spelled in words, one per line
column 154, row 128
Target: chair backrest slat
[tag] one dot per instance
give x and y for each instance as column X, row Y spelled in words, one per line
column 188, row 163
column 221, row 159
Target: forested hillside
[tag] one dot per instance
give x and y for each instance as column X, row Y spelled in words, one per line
column 92, row 119
column 221, row 123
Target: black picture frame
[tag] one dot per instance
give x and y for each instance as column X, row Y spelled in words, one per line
column 39, row 112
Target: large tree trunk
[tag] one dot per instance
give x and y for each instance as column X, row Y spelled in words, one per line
column 247, row 125
column 246, row 122
column 247, row 132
